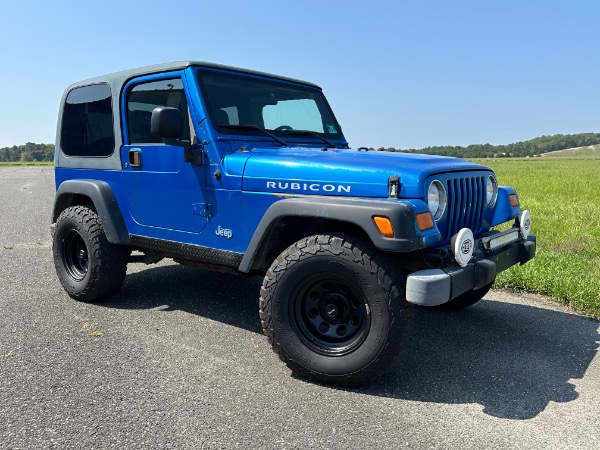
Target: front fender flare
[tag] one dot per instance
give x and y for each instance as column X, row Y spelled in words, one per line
column 357, row 212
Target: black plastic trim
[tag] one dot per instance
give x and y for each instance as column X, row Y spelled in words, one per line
column 178, row 250
column 483, row 272
column 357, row 212
column 103, row 198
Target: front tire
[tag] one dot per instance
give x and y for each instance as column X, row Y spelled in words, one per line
column 334, row 310
column 88, row 266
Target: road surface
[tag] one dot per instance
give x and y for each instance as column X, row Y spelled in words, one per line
column 177, row 360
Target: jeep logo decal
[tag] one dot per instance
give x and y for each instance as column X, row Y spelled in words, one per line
column 224, row 232
column 307, row 187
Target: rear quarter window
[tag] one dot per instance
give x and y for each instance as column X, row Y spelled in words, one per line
column 87, row 122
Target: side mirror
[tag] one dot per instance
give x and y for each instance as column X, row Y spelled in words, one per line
column 166, row 122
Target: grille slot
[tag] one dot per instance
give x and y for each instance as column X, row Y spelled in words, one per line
column 466, row 201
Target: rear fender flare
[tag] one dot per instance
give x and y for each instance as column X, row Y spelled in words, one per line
column 102, row 198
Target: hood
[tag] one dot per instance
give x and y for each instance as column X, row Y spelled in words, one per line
column 344, row 172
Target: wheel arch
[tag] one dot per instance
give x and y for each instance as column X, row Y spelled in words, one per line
column 98, row 194
column 289, row 220
column 286, row 230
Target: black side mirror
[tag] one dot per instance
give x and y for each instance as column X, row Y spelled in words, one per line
column 166, row 122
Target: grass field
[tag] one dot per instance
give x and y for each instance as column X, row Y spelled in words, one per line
column 562, row 195
column 589, row 152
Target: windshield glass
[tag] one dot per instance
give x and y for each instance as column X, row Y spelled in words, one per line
column 268, row 104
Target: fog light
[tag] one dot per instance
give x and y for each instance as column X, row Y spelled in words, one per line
column 463, row 244
column 525, row 224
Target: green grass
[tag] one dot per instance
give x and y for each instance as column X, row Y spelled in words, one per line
column 562, row 195
column 26, row 163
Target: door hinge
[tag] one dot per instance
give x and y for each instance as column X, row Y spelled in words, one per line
column 194, row 152
column 201, row 209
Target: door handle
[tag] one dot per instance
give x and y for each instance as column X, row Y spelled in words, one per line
column 135, row 157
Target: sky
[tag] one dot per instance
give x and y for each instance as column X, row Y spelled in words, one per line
column 403, row 74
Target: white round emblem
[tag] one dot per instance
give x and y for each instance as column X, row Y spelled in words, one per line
column 463, row 244
column 525, row 224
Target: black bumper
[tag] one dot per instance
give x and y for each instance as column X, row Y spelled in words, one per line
column 436, row 286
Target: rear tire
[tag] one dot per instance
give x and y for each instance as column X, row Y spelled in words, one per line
column 465, row 300
column 334, row 310
column 88, row 266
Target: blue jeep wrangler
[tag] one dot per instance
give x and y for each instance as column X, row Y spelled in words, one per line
column 236, row 170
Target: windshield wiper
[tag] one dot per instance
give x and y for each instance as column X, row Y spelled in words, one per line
column 312, row 133
column 254, row 127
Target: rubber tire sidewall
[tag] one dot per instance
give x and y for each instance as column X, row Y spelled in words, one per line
column 286, row 331
column 63, row 227
column 107, row 263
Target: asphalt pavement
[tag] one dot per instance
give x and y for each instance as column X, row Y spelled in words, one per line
column 177, row 360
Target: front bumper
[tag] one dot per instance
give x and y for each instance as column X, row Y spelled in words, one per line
column 433, row 287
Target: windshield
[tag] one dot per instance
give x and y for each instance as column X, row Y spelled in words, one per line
column 268, row 104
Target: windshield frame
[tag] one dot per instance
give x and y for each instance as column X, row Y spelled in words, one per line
column 315, row 92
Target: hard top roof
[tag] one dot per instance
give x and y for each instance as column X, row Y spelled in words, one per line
column 118, row 79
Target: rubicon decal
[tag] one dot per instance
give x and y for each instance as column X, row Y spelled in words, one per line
column 307, row 187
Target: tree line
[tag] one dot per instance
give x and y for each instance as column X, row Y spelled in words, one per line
column 533, row 147
column 27, row 152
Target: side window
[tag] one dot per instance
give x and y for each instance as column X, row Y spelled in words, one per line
column 143, row 98
column 87, row 122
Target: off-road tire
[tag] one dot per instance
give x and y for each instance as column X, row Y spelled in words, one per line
column 362, row 281
column 465, row 300
column 88, row 266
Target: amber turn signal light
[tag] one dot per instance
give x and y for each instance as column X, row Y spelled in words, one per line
column 424, row 221
column 384, row 226
column 514, row 201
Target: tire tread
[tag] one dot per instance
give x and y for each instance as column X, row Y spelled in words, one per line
column 108, row 262
column 390, row 278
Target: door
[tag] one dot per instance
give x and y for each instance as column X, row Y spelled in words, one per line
column 162, row 189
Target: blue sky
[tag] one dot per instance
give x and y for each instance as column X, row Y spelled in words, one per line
column 404, row 74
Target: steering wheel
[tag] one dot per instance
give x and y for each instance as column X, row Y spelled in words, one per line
column 283, row 128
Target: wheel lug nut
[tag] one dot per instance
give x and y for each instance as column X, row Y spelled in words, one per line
column 324, row 327
column 341, row 330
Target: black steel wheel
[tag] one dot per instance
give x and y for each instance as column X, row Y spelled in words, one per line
column 334, row 310
column 75, row 256
column 88, row 266
column 330, row 314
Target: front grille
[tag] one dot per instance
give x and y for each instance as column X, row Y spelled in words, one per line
column 466, row 204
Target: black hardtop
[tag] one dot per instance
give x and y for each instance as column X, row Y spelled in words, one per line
column 116, row 80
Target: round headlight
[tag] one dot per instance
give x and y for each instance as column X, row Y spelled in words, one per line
column 491, row 190
column 436, row 199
